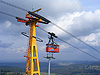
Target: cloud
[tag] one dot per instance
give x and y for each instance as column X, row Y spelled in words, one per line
column 42, row 48
column 49, row 8
column 5, row 45
column 7, row 24
column 63, row 46
column 67, row 14
column 77, row 23
column 21, row 50
column 61, row 6
column 65, row 22
column 86, row 23
column 92, row 39
column 9, row 28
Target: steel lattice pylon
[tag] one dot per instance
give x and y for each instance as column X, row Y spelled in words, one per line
column 32, row 63
column 32, row 54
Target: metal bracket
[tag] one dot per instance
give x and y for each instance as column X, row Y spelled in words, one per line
column 27, row 35
column 49, row 57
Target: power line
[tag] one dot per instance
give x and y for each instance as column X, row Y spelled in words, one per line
column 73, row 46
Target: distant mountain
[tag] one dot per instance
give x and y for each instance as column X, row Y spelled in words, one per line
column 44, row 65
column 58, row 67
column 20, row 65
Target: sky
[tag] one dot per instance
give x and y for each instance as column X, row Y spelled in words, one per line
column 79, row 17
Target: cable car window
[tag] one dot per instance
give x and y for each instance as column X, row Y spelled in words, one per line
column 52, row 46
column 49, row 45
column 55, row 47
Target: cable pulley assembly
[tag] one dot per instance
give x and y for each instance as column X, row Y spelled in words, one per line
column 52, row 34
column 32, row 13
column 27, row 35
column 39, row 16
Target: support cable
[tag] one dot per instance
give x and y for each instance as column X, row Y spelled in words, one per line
column 74, row 46
column 13, row 5
column 48, row 21
column 51, row 23
column 75, row 37
column 12, row 16
column 79, row 49
column 7, row 14
column 34, row 14
column 58, row 38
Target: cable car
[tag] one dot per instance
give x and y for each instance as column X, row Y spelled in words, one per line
column 52, row 47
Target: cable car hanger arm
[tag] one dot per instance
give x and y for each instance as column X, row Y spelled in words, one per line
column 27, row 35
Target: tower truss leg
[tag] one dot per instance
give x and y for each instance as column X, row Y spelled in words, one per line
column 32, row 64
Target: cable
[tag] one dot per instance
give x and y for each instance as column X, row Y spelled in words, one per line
column 75, row 37
column 43, row 29
column 73, row 46
column 7, row 14
column 13, row 5
column 34, row 14
column 58, row 38
column 51, row 23
column 78, row 49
